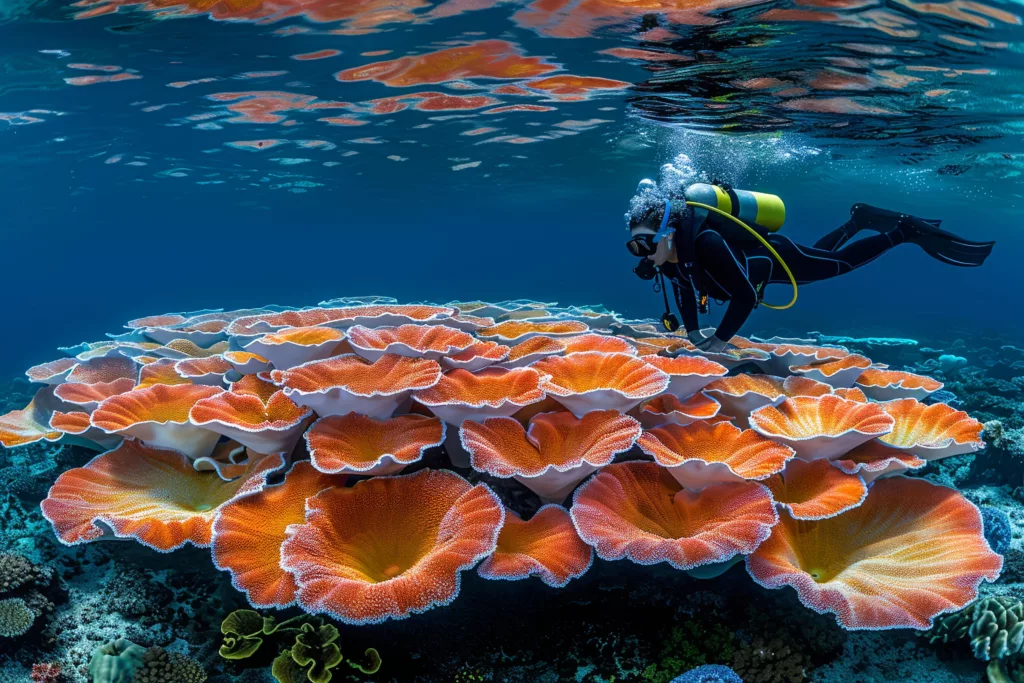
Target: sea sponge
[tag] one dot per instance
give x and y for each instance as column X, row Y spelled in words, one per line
column 15, row 618
column 998, row 531
column 116, row 662
column 161, row 666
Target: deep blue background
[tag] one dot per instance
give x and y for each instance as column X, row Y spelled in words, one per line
column 87, row 245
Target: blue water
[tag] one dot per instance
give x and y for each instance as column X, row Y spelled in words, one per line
column 90, row 240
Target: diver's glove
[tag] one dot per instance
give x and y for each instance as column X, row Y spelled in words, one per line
column 713, row 345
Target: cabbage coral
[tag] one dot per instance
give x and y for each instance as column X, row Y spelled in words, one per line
column 390, row 547
column 199, row 415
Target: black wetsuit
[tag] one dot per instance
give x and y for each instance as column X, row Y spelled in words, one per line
column 740, row 274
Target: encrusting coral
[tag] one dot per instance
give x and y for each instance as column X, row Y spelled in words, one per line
column 15, row 618
column 199, row 418
column 160, row 666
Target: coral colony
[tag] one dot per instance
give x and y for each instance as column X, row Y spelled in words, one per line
column 278, row 438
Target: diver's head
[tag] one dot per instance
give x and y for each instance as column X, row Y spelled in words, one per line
column 648, row 220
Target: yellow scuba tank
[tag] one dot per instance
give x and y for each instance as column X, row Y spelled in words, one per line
column 742, row 208
column 754, row 208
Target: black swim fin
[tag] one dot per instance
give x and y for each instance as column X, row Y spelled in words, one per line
column 944, row 246
column 867, row 217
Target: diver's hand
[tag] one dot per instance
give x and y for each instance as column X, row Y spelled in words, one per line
column 713, row 345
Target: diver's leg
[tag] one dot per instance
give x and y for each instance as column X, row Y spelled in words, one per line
column 838, row 237
column 811, row 264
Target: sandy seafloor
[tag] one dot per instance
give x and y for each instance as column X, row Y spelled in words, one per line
column 620, row 622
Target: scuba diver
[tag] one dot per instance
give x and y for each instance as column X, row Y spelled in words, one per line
column 716, row 242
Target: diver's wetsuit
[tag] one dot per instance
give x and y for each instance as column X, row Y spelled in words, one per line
column 739, row 274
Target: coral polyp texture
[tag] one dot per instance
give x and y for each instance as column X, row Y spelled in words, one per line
column 390, row 546
column 312, row 450
column 911, row 551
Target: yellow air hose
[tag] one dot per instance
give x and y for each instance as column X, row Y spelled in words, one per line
column 770, row 248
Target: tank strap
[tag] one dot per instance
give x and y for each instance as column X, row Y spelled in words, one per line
column 686, row 252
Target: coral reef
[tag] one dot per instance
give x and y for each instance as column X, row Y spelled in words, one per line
column 518, row 439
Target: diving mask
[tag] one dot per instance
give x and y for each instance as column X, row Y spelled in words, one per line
column 646, row 244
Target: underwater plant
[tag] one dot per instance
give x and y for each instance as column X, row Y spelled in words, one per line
column 239, row 430
column 311, row 656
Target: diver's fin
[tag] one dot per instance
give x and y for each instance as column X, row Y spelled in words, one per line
column 867, row 217
column 945, row 246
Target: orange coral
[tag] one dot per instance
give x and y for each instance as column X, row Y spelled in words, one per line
column 557, row 452
column 667, row 409
column 483, row 59
column 390, row 547
column 816, row 490
column 638, row 511
column 910, row 552
column 296, row 345
column 371, row 315
column 840, row 372
column 246, row 362
column 741, row 395
column 874, row 459
column 161, row 371
column 32, row 423
column 158, row 416
column 254, row 414
column 102, row 370
column 149, row 494
column 687, row 374
column 415, row 341
column 887, row 385
column 932, row 431
column 701, row 454
column 462, row 395
column 822, row 426
column 517, row 331
column 546, row 546
column 54, row 372
column 477, row 356
column 357, row 444
column 597, row 342
column 88, row 396
column 249, row 530
column 348, row 383
column 532, row 350
column 601, row 381
column 209, row 370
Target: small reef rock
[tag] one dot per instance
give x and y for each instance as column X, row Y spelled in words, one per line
column 298, row 495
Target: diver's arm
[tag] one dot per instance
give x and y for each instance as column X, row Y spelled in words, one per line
column 720, row 263
column 687, row 301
